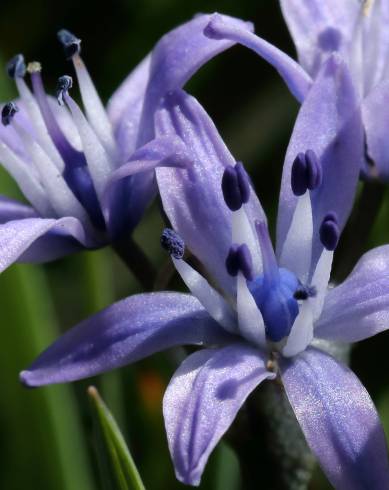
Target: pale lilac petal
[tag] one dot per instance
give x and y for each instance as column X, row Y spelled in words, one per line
column 17, row 237
column 319, row 28
column 193, row 199
column 295, row 77
column 124, row 200
column 328, row 123
column 125, row 105
column 12, row 210
column 376, row 123
column 338, row 419
column 202, row 400
column 176, row 57
column 125, row 332
column 359, row 307
column 173, row 61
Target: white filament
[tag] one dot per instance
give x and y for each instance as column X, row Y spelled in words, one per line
column 100, row 164
column 94, row 108
column 26, row 181
column 296, row 252
column 251, row 324
column 38, row 123
column 212, row 301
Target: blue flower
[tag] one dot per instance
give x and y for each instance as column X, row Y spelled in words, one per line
column 259, row 314
column 67, row 163
column 357, row 32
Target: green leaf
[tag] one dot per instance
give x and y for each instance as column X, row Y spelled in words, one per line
column 123, row 466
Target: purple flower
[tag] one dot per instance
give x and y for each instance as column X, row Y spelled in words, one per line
column 63, row 160
column 357, row 31
column 259, row 314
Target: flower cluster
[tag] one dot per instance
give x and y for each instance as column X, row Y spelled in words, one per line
column 255, row 311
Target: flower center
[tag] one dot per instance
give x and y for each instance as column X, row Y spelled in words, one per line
column 277, row 302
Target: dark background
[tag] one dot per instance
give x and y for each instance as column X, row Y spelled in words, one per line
column 47, row 439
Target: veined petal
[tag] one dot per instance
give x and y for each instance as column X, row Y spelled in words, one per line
column 175, row 58
column 376, row 121
column 338, row 419
column 297, row 80
column 125, row 332
column 320, row 28
column 328, row 123
column 202, row 400
column 359, row 307
column 16, row 237
column 11, row 209
column 193, row 198
column 124, row 201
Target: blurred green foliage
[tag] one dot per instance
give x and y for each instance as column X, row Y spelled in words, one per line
column 46, row 435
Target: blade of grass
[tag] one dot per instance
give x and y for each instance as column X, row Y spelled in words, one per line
column 125, row 470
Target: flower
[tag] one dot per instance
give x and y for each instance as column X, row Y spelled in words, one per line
column 259, row 315
column 357, row 31
column 64, row 161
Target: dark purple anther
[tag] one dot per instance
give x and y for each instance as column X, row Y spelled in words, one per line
column 173, row 243
column 71, row 44
column 16, row 67
column 314, row 170
column 239, row 260
column 8, row 112
column 329, row 231
column 299, row 175
column 235, row 186
column 63, row 85
column 304, row 292
column 243, row 182
column 306, row 173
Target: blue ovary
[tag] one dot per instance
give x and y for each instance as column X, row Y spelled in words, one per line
column 275, row 299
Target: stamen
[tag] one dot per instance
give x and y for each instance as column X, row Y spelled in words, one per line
column 304, row 292
column 94, row 108
column 306, row 173
column 63, row 85
column 34, row 67
column 239, row 260
column 16, row 67
column 173, row 243
column 70, row 43
column 235, row 186
column 8, row 112
column 270, row 266
column 314, row 170
column 329, row 231
column 298, row 176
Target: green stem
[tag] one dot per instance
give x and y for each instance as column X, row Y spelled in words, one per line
column 137, row 261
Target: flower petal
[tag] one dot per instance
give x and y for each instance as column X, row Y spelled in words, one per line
column 173, row 61
column 319, row 28
column 338, row 419
column 123, row 209
column 376, row 122
column 18, row 239
column 176, row 57
column 193, row 198
column 203, row 399
column 328, row 123
column 12, row 210
column 297, row 80
column 124, row 332
column 359, row 307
